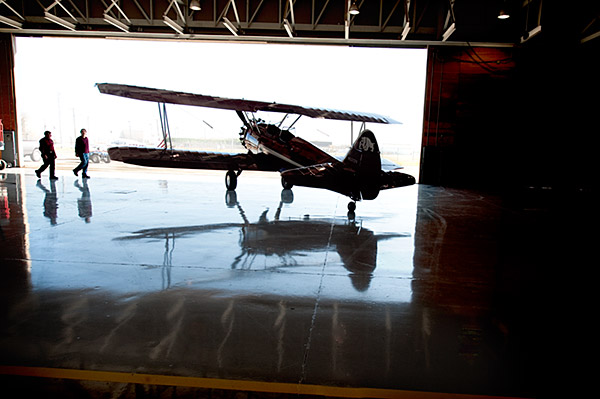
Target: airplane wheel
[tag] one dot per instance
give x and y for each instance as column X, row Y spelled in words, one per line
column 231, row 180
column 351, row 206
column 285, row 184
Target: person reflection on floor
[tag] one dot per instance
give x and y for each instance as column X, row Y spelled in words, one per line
column 50, row 201
column 84, row 204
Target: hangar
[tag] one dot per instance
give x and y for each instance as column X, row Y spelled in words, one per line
column 139, row 284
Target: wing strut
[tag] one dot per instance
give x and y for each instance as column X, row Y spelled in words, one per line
column 243, row 118
column 164, row 124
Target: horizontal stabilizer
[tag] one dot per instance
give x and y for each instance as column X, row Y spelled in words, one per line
column 396, row 179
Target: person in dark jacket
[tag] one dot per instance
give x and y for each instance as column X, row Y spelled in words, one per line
column 48, row 155
column 82, row 150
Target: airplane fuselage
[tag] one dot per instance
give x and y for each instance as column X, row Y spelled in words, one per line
column 292, row 151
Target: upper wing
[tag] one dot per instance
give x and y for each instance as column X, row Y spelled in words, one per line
column 175, row 97
column 159, row 157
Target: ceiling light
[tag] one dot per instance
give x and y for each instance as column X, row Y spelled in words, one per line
column 354, row 9
column 195, row 5
column 531, row 33
column 503, row 15
column 172, row 24
column 116, row 23
column 405, row 31
column 59, row 21
column 230, row 26
column 449, row 32
column 11, row 22
column 288, row 28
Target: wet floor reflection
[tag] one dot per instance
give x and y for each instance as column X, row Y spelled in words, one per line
column 15, row 283
column 84, row 204
column 163, row 281
column 285, row 239
column 50, row 201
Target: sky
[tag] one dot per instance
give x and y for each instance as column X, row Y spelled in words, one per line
column 55, row 86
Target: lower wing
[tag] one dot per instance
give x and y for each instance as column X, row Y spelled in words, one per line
column 164, row 158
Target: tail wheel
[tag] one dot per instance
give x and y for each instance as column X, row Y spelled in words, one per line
column 231, row 180
column 352, row 206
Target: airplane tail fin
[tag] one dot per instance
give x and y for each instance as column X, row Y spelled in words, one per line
column 358, row 176
column 364, row 162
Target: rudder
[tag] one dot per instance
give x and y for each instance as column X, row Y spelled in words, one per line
column 364, row 161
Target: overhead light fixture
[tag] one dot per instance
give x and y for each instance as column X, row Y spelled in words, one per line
column 503, row 15
column 449, row 32
column 288, row 28
column 11, row 22
column 354, row 9
column 59, row 21
column 173, row 25
column 531, row 33
column 405, row 31
column 195, row 5
column 116, row 23
column 230, row 26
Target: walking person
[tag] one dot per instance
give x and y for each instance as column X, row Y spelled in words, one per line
column 82, row 150
column 48, row 155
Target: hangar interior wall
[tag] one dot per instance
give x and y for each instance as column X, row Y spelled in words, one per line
column 8, row 112
column 468, row 112
column 512, row 118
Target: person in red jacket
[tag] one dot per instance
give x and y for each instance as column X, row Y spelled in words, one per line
column 48, row 155
column 82, row 150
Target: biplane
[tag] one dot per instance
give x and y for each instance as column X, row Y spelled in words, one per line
column 360, row 175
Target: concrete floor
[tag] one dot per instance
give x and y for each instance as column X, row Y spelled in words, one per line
column 142, row 279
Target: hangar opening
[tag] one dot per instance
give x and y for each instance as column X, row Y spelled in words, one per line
column 384, row 81
column 147, row 280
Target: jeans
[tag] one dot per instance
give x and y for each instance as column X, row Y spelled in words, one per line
column 83, row 165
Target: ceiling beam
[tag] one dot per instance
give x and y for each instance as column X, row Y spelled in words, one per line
column 422, row 20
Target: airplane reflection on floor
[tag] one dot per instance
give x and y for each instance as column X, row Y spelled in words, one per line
column 284, row 239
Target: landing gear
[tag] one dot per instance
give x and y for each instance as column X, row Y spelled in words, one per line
column 231, row 180
column 351, row 209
